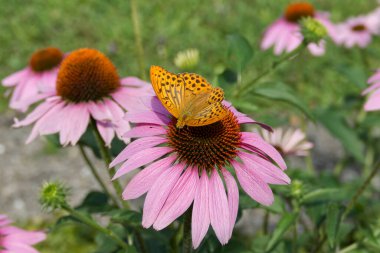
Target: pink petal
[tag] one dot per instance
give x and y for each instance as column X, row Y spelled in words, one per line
column 37, row 113
column 233, row 198
column 179, row 199
column 145, row 130
column 143, row 181
column 158, row 194
column 141, row 158
column 147, row 117
column 264, row 169
column 15, row 78
column 134, row 81
column 106, row 131
column 254, row 140
column 218, row 208
column 137, row 146
column 99, row 111
column 201, row 217
column 253, row 186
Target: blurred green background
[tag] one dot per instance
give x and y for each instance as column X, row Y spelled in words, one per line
column 171, row 26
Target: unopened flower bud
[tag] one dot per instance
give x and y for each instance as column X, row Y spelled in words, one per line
column 312, row 30
column 187, row 59
column 53, row 195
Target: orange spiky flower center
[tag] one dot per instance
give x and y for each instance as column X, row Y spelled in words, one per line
column 296, row 11
column 206, row 146
column 45, row 59
column 86, row 75
column 359, row 28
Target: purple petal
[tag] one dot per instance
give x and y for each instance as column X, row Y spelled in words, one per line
column 143, row 181
column 145, row 130
column 179, row 199
column 253, row 186
column 141, row 158
column 233, row 198
column 158, row 194
column 201, row 216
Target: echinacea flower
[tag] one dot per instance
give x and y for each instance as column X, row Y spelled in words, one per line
column 373, row 102
column 353, row 32
column 195, row 166
column 88, row 88
column 288, row 141
column 36, row 80
column 16, row 240
column 373, row 21
column 285, row 33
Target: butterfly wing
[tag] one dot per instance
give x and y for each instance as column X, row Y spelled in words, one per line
column 209, row 110
column 169, row 88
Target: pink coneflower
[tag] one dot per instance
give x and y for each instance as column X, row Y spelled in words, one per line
column 189, row 166
column 285, row 33
column 288, row 142
column 16, row 240
column 373, row 102
column 37, row 78
column 88, row 87
column 354, row 32
column 373, row 21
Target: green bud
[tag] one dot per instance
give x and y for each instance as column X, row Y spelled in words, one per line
column 312, row 30
column 296, row 188
column 53, row 195
column 187, row 59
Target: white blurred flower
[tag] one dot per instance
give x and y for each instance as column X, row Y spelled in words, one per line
column 187, row 59
column 288, row 141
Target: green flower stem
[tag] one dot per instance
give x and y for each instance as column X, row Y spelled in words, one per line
column 245, row 88
column 138, row 40
column 95, row 174
column 90, row 222
column 106, row 155
column 361, row 189
column 266, row 222
column 187, row 247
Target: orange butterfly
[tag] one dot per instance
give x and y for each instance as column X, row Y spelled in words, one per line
column 188, row 97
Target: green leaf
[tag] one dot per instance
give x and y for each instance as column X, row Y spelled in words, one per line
column 283, row 225
column 335, row 123
column 95, row 202
column 129, row 217
column 239, row 52
column 325, row 195
column 332, row 224
column 282, row 92
column 354, row 74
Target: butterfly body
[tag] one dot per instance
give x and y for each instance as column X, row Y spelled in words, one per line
column 188, row 97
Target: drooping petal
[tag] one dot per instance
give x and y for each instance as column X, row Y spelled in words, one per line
column 16, row 77
column 179, row 199
column 253, row 139
column 158, row 194
column 264, row 169
column 233, row 198
column 106, row 131
column 137, row 146
column 218, row 208
column 143, row 181
column 253, row 186
column 148, row 117
column 200, row 220
column 141, row 158
column 144, row 131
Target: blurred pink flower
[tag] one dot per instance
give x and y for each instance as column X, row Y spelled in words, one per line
column 285, row 33
column 38, row 77
column 88, row 87
column 16, row 240
column 373, row 102
column 187, row 166
column 288, row 142
column 373, row 21
column 354, row 32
